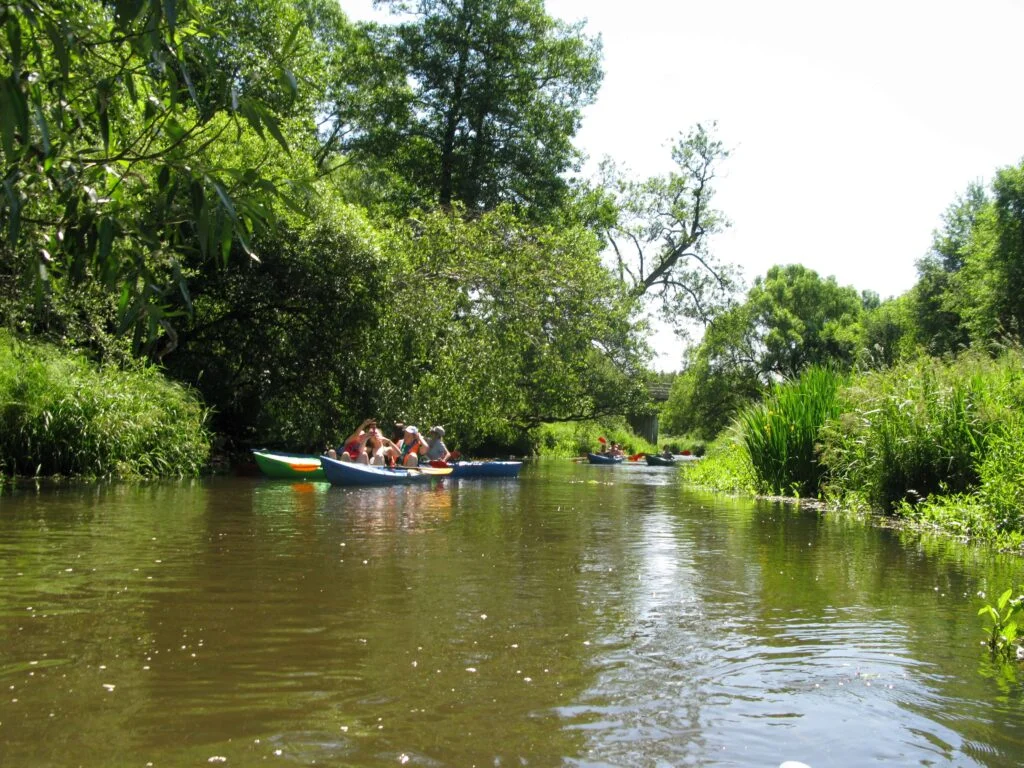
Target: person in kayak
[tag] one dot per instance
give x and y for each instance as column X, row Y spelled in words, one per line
column 354, row 447
column 382, row 451
column 411, row 447
column 437, row 451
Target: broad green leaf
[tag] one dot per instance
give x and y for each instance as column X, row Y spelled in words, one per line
column 1004, row 599
column 14, row 40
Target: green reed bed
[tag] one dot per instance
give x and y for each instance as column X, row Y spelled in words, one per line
column 922, row 428
column 61, row 415
column 781, row 434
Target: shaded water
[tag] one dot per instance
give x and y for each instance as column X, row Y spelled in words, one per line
column 579, row 616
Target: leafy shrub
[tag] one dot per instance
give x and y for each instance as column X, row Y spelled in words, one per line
column 781, row 434
column 695, row 445
column 59, row 414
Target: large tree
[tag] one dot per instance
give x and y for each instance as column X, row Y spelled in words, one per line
column 972, row 281
column 499, row 87
column 499, row 325
column 936, row 304
column 661, row 236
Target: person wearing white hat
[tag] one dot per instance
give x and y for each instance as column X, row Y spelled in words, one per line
column 436, row 449
column 411, row 446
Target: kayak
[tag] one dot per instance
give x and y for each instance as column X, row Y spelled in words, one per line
column 597, row 458
column 486, row 468
column 653, row 460
column 351, row 473
column 289, row 466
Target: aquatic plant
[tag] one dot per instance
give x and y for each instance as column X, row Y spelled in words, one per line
column 781, row 434
column 1001, row 634
column 565, row 439
column 724, row 467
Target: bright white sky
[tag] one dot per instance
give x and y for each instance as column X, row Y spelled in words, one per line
column 852, row 126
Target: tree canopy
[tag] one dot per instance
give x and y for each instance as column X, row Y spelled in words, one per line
column 660, row 234
column 791, row 319
column 497, row 88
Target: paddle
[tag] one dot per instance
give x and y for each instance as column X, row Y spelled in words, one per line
column 637, row 456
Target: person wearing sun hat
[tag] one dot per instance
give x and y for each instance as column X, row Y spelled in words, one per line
column 436, row 449
column 411, row 446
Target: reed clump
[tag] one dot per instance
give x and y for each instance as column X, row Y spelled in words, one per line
column 781, row 434
column 62, row 415
column 928, row 428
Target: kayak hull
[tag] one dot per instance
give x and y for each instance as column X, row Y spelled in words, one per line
column 659, row 461
column 289, row 466
column 486, row 468
column 597, row 458
column 352, row 473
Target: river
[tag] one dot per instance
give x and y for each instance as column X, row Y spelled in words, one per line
column 578, row 616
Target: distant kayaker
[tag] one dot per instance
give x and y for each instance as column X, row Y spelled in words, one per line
column 436, row 449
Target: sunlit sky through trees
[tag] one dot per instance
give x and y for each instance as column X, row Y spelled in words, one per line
column 852, row 126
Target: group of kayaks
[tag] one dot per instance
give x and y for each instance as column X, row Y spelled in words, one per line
column 302, row 466
column 652, row 459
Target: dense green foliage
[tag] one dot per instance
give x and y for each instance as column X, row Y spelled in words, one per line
column 791, row 319
column 60, row 414
column 924, row 428
column 311, row 220
column 581, row 437
column 934, row 442
column 724, row 467
column 110, row 115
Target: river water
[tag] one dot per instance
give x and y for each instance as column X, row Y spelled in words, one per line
column 579, row 616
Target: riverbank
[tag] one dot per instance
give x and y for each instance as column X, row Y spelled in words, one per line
column 930, row 445
column 64, row 415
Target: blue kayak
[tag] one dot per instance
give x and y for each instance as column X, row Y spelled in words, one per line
column 600, row 458
column 351, row 473
column 486, row 468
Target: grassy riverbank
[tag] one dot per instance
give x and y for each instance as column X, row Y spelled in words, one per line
column 566, row 439
column 930, row 443
column 62, row 415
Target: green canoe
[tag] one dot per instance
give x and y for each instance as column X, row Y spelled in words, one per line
column 289, row 466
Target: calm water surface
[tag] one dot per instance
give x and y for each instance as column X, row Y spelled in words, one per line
column 580, row 616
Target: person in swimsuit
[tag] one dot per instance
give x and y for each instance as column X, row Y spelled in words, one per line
column 382, row 451
column 354, row 447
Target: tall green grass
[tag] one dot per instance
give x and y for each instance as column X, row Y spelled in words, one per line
column 926, row 428
column 781, row 434
column 59, row 414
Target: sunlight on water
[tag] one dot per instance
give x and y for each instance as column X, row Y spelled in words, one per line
column 580, row 615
